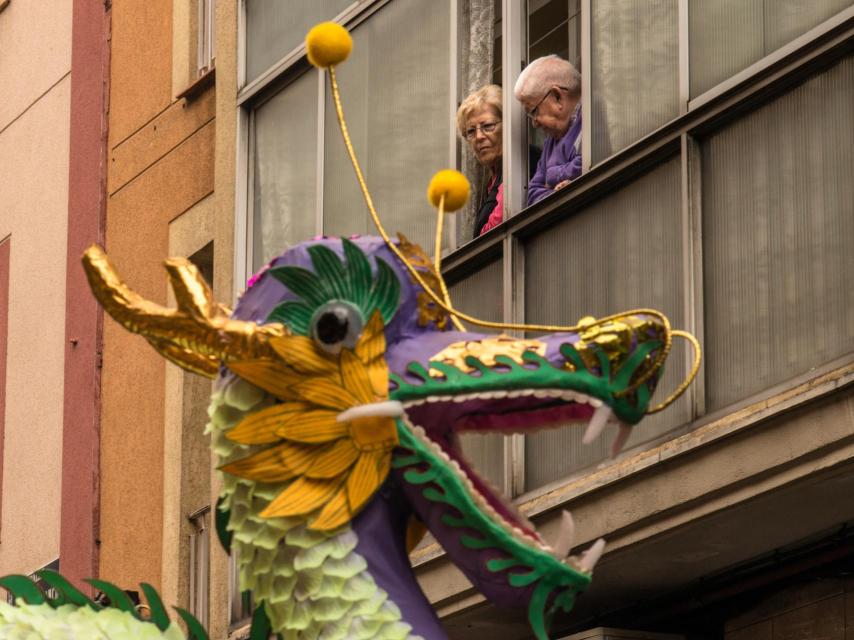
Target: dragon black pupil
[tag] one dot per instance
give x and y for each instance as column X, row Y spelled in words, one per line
column 332, row 326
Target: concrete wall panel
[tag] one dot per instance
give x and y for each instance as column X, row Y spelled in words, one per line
column 34, row 153
column 36, row 45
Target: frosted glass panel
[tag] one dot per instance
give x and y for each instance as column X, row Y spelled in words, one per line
column 396, row 100
column 621, row 253
column 726, row 36
column 778, row 224
column 635, row 69
column 285, row 169
column 481, row 295
column 275, row 28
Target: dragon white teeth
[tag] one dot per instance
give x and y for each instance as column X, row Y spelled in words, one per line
column 565, row 536
column 620, row 441
column 389, row 408
column 591, row 556
column 602, row 414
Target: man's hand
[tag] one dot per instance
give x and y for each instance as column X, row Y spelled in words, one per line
column 560, row 185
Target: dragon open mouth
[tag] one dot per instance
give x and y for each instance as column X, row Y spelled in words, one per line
column 555, row 381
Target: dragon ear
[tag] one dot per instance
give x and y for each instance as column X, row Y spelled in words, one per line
column 198, row 335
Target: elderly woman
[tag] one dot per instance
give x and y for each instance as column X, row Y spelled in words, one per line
column 479, row 122
column 550, row 92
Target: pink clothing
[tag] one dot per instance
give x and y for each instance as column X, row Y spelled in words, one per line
column 497, row 214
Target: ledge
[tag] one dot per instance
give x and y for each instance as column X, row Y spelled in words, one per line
column 202, row 84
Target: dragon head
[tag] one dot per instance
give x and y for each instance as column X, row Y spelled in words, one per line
column 342, row 385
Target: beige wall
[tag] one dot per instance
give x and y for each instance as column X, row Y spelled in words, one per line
column 34, row 123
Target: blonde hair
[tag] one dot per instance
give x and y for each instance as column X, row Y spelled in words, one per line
column 544, row 73
column 488, row 96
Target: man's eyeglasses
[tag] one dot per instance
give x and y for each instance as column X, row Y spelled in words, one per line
column 486, row 127
column 533, row 112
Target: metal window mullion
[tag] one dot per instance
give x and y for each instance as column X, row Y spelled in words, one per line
column 586, row 83
column 513, row 296
column 321, row 149
column 243, row 207
column 684, row 58
column 241, row 47
column 453, row 80
column 513, row 25
column 692, row 253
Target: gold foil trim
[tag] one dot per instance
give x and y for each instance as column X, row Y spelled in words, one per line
column 486, row 351
column 428, row 310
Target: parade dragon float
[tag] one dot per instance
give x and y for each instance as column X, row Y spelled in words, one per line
column 344, row 378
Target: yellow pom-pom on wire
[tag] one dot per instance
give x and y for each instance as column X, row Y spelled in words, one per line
column 328, row 44
column 451, row 184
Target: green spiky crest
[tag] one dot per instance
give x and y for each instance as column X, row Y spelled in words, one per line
column 539, row 374
column 22, row 587
column 332, row 280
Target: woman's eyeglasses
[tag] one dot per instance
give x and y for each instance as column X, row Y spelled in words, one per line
column 486, row 127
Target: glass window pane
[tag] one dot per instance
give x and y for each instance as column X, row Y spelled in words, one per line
column 275, row 28
column 285, row 193
column 396, row 98
column 480, row 295
column 635, row 69
column 778, row 224
column 621, row 253
column 727, row 36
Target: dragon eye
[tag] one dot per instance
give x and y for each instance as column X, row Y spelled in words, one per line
column 336, row 325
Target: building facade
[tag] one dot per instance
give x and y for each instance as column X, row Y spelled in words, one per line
column 718, row 149
column 716, row 188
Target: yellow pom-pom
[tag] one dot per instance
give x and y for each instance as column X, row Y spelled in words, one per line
column 328, row 44
column 451, row 184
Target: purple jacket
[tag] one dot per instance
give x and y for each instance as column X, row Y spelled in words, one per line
column 560, row 160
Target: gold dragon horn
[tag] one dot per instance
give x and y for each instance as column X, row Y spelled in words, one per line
column 198, row 335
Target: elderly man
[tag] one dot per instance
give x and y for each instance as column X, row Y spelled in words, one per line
column 550, row 92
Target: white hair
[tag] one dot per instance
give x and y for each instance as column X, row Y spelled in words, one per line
column 544, row 73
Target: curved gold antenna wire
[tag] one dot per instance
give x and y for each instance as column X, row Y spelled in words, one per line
column 327, row 44
column 695, row 368
column 437, row 263
column 339, row 110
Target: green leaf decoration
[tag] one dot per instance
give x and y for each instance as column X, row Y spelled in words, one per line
column 261, row 627
column 303, row 283
column 297, row 315
column 328, row 266
column 221, row 517
column 24, row 588
column 333, row 280
column 385, row 294
column 360, row 272
column 194, row 627
column 118, row 598
column 68, row 593
column 159, row 616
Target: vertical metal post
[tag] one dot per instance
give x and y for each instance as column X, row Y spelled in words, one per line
column 514, row 56
column 692, row 256
column 586, row 84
